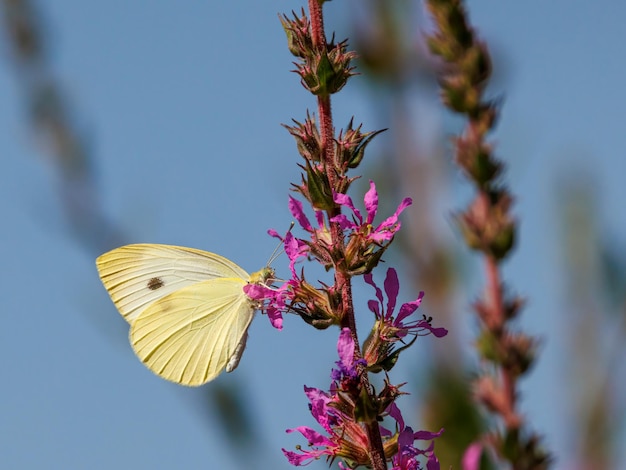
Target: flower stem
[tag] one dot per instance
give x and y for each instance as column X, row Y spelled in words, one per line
column 494, row 295
column 342, row 278
column 327, row 135
column 317, row 24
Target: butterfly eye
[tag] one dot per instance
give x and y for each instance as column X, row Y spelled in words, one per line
column 155, row 283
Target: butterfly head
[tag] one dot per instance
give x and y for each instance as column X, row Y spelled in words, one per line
column 264, row 277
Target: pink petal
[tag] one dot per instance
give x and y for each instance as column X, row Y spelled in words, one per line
column 406, row 202
column 345, row 200
column 392, row 287
column 345, row 347
column 313, row 394
column 276, row 318
column 439, row 332
column 320, row 412
column 433, row 462
column 295, row 459
column 471, row 457
column 395, row 413
column 380, row 237
column 389, row 222
column 427, row 435
column 371, row 202
column 343, row 222
column 370, row 280
column 256, row 291
column 319, row 216
column 405, row 438
column 294, row 249
column 374, row 307
column 295, row 207
column 407, row 309
column 314, row 437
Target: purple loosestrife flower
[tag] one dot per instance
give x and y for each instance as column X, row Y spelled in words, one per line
column 295, row 295
column 406, row 457
column 379, row 348
column 366, row 243
column 334, row 411
column 399, row 329
column 275, row 300
column 347, row 366
column 337, row 412
column 320, row 245
column 385, row 230
column 346, row 437
column 271, row 300
column 406, row 454
column 316, row 306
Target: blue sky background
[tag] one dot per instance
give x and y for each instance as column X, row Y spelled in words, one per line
column 181, row 104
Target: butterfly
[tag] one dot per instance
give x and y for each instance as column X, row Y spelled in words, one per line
column 187, row 310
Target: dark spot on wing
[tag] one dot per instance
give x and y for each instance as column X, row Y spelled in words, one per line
column 155, row 283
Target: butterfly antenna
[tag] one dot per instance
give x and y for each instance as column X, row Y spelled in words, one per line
column 279, row 248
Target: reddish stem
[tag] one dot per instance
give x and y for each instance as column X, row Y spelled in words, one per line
column 494, row 295
column 327, row 134
column 317, row 24
column 342, row 279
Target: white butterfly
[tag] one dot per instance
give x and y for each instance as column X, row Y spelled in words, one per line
column 187, row 310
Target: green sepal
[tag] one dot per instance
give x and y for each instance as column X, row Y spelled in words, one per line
column 503, row 242
column 359, row 152
column 325, row 74
column 488, row 347
column 364, row 409
column 319, row 188
column 390, row 361
column 484, row 169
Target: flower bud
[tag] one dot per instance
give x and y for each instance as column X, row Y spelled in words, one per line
column 350, row 147
column 298, row 34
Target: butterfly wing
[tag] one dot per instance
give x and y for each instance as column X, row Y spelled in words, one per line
column 192, row 335
column 137, row 275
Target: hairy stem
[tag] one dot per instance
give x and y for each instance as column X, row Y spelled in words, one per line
column 342, row 278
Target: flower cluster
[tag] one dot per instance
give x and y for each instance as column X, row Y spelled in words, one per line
column 379, row 349
column 364, row 245
column 351, row 407
column 340, row 415
column 367, row 243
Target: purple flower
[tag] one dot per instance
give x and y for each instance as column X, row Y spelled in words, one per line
column 319, row 234
column 333, row 422
column 316, row 440
column 384, row 232
column 347, row 366
column 272, row 300
column 397, row 327
column 294, row 247
column 380, row 349
column 346, row 437
column 406, row 457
